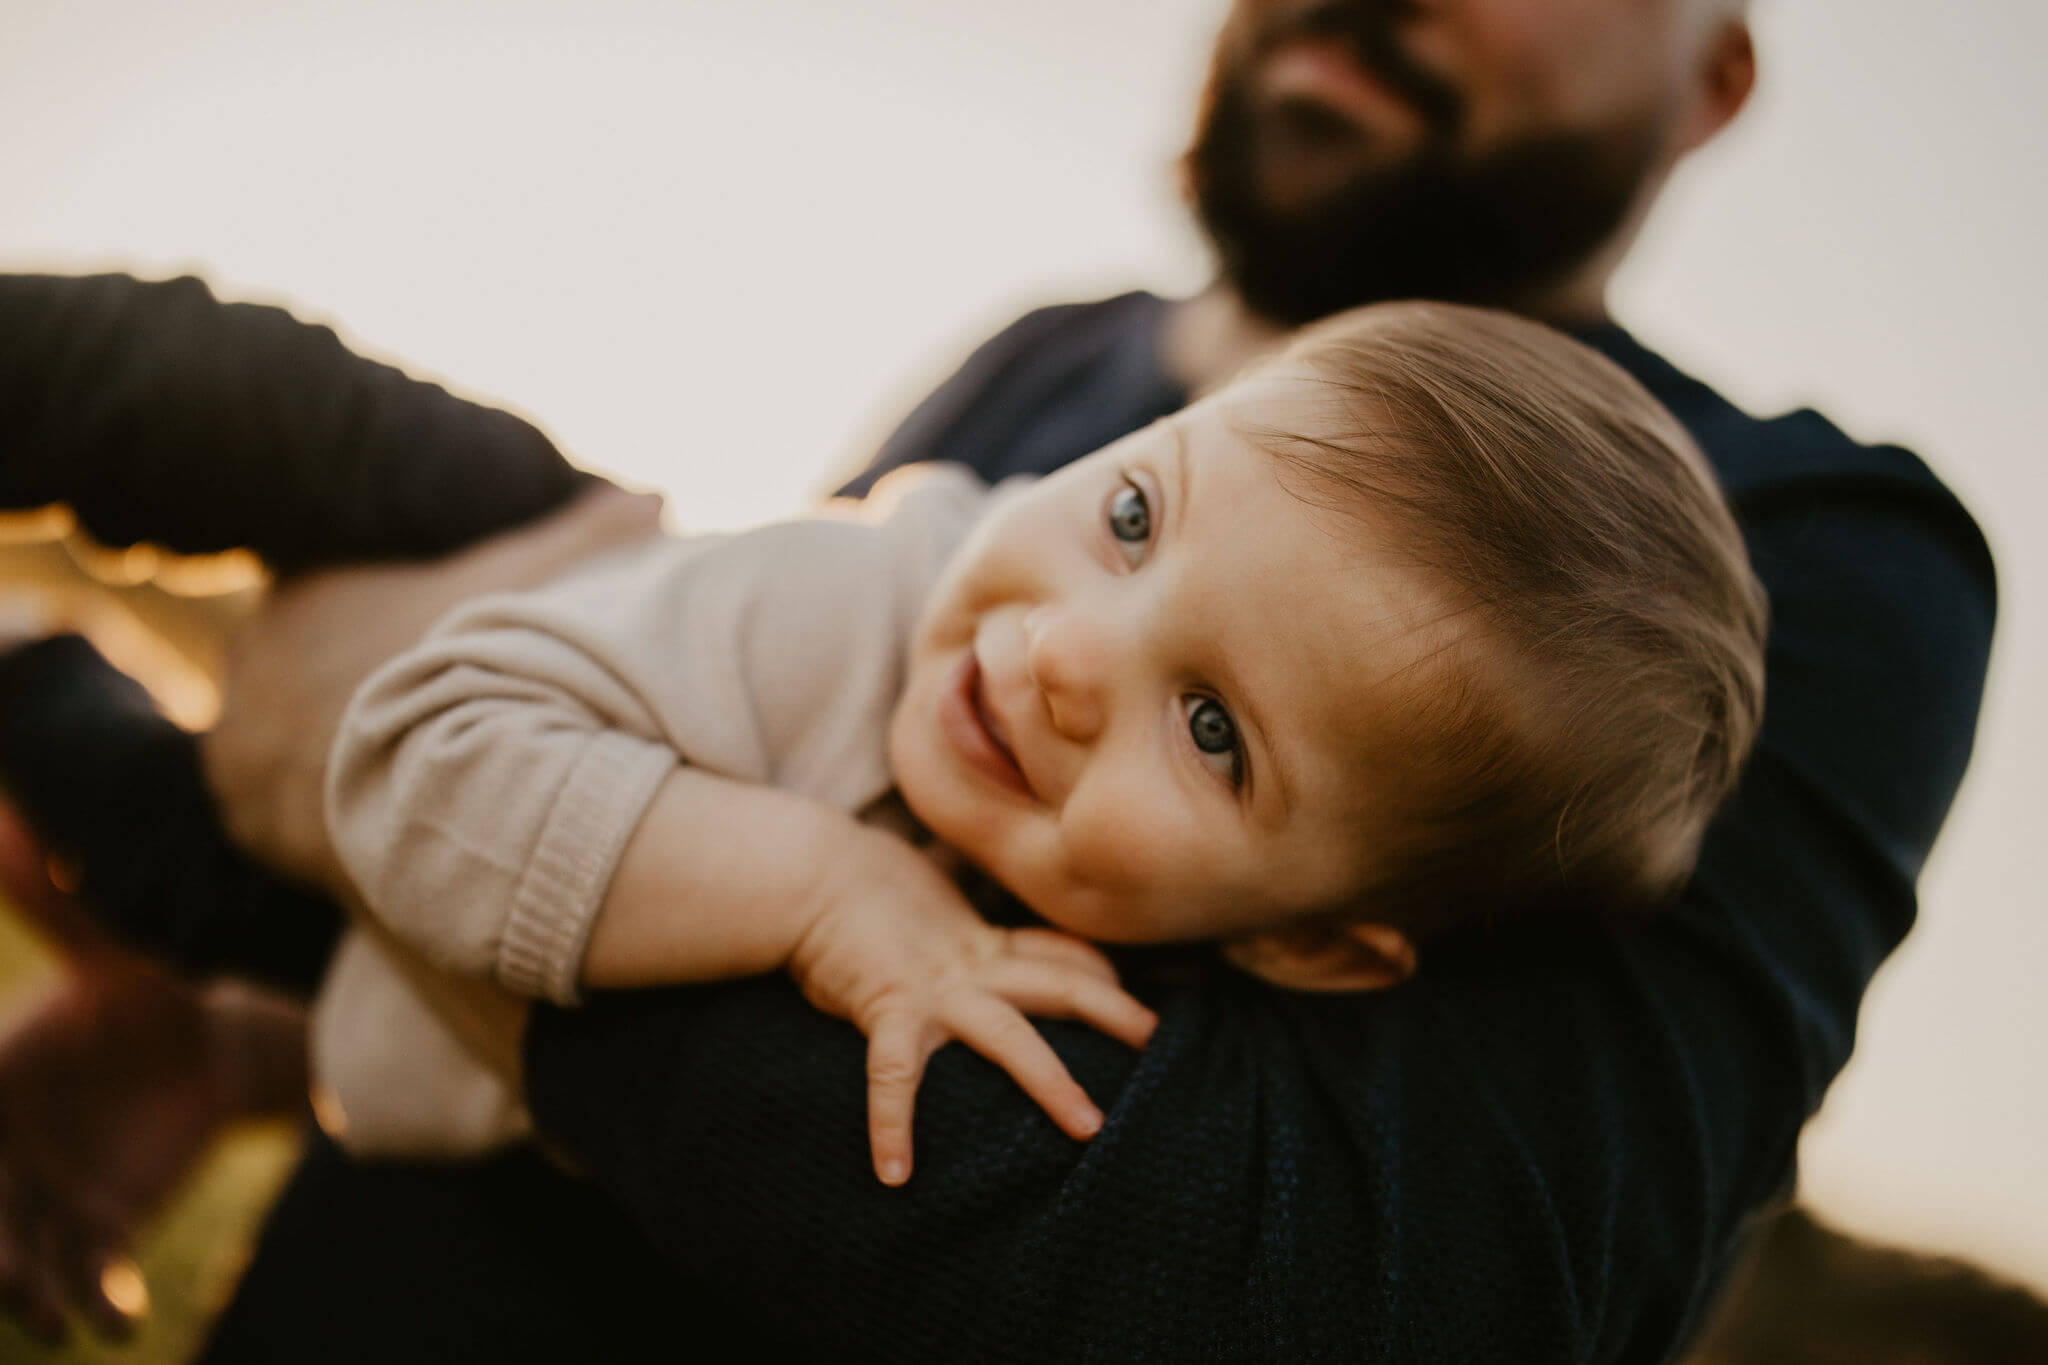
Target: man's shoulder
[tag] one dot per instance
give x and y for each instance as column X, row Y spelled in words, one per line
column 1055, row 384
column 1062, row 335
column 1755, row 453
column 1074, row 325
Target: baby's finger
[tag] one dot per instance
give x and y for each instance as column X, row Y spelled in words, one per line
column 1052, row 992
column 897, row 1052
column 1050, row 945
column 998, row 1032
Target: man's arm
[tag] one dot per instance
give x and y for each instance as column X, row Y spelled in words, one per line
column 161, row 414
column 1541, row 1148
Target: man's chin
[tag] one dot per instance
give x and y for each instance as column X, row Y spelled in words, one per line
column 1303, row 231
column 1298, row 182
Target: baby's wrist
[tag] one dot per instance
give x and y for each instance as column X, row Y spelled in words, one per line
column 858, row 870
column 840, row 858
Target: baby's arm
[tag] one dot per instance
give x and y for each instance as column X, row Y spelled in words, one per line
column 726, row 879
column 721, row 878
column 508, row 799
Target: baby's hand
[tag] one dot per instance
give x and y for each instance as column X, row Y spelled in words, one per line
column 898, row 950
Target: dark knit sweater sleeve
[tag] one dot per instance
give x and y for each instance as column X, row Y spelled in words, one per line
column 115, row 789
column 159, row 413
column 1544, row 1147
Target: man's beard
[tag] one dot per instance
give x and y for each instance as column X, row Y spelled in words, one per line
column 1492, row 229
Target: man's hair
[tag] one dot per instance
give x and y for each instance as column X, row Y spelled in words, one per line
column 1598, row 679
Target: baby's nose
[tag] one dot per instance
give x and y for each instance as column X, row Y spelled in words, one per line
column 1065, row 654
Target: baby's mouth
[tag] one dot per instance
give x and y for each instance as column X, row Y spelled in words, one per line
column 987, row 716
column 969, row 721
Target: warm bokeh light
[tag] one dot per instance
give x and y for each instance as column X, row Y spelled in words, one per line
column 62, row 874
column 121, row 1281
column 122, row 568
column 718, row 247
column 327, row 1112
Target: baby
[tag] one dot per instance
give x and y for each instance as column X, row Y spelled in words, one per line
column 1435, row 618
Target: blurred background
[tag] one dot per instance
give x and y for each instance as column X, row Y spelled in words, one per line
column 717, row 247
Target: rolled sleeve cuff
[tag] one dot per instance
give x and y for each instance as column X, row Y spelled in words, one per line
column 556, row 903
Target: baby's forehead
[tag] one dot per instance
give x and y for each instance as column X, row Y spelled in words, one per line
column 1311, row 435
column 1274, row 375
column 1272, row 392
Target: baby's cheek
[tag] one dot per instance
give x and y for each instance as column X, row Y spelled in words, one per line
column 1123, row 863
column 1111, row 846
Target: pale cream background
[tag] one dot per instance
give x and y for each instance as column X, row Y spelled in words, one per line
column 717, row 246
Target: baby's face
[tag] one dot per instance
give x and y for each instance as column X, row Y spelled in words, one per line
column 1142, row 691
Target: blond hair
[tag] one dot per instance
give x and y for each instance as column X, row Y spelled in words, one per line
column 1601, row 682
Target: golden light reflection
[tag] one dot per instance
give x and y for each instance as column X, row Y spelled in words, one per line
column 217, row 575
column 121, row 1281
column 120, row 568
column 62, row 874
column 158, row 617
column 327, row 1112
column 181, row 687
column 33, row 527
column 182, row 575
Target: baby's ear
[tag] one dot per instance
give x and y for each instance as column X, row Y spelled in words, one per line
column 1352, row 956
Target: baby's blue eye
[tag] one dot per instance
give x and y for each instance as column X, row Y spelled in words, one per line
column 1130, row 516
column 1215, row 734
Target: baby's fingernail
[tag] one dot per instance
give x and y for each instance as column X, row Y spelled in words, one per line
column 894, row 1171
column 1089, row 1121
